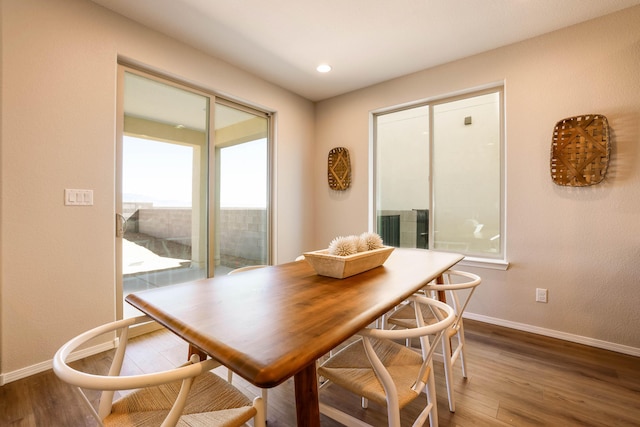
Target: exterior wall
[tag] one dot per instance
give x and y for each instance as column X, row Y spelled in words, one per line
column 169, row 223
column 243, row 234
column 408, row 226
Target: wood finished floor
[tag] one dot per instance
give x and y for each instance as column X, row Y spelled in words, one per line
column 515, row 379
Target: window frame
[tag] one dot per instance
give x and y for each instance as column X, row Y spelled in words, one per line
column 500, row 261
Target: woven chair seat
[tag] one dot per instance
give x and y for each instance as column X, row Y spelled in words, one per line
column 350, row 368
column 405, row 316
column 150, row 406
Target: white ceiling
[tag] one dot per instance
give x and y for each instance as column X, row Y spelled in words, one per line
column 365, row 41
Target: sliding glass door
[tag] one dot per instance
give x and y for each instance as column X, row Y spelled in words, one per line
column 193, row 185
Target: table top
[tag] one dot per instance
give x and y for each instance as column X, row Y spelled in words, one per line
column 268, row 324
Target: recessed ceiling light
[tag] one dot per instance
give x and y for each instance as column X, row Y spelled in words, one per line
column 324, row 68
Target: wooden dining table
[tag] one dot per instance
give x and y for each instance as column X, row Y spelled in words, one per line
column 270, row 324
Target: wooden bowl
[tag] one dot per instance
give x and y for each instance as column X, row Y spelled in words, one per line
column 340, row 267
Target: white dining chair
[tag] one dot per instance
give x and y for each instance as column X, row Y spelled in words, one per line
column 186, row 395
column 458, row 287
column 379, row 369
column 246, row 268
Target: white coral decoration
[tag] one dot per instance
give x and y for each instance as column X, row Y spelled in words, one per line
column 361, row 244
column 372, row 240
column 342, row 246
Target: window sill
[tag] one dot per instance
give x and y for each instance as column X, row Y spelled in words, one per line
column 493, row 264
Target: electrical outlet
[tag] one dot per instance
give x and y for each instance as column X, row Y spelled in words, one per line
column 541, row 295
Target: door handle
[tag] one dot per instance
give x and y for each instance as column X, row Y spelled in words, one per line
column 121, row 225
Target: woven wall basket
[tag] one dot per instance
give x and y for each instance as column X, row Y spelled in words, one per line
column 580, row 150
column 339, row 169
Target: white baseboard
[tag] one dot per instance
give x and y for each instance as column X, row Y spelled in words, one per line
column 44, row 366
column 632, row 351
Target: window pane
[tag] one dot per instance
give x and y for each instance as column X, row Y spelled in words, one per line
column 467, row 175
column 241, row 231
column 164, row 185
column 402, row 172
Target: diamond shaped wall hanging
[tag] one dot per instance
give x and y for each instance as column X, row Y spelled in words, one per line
column 339, row 169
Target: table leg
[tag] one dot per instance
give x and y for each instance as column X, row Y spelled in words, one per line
column 195, row 350
column 306, row 389
column 441, row 294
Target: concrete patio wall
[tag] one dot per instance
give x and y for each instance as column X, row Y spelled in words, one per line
column 242, row 232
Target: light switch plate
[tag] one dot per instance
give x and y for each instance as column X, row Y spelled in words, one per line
column 74, row 197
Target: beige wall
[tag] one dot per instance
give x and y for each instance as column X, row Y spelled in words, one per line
column 57, row 265
column 583, row 244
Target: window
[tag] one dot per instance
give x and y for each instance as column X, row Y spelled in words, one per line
column 438, row 175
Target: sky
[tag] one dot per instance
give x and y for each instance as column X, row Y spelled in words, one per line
column 161, row 172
